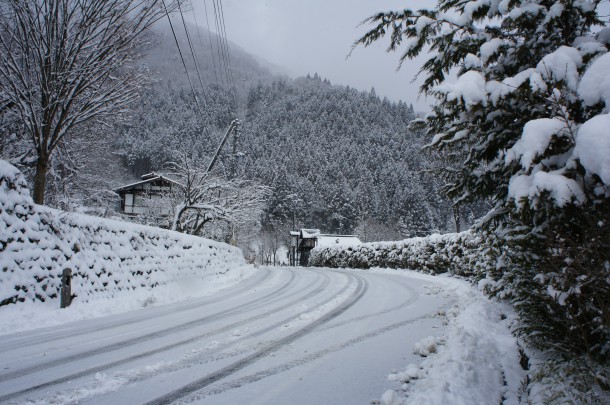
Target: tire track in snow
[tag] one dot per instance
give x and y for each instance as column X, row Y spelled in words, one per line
column 321, row 288
column 255, row 334
column 143, row 338
column 130, row 377
column 414, row 297
column 219, row 389
column 361, row 288
column 10, row 344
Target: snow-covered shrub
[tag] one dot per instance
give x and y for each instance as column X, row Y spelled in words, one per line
column 525, row 126
column 37, row 243
column 465, row 254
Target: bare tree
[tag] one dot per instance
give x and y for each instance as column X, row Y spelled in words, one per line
column 205, row 199
column 66, row 62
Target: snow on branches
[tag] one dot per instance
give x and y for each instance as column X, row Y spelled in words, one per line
column 64, row 63
column 203, row 199
column 522, row 118
column 519, row 64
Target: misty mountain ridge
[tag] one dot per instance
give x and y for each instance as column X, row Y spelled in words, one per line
column 162, row 59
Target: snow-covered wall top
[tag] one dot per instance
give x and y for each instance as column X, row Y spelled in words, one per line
column 464, row 254
column 37, row 243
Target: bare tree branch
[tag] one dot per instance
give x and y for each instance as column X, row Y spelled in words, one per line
column 66, row 62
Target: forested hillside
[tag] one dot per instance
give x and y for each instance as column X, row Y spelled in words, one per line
column 336, row 158
column 339, row 158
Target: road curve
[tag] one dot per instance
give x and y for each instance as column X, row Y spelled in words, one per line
column 283, row 335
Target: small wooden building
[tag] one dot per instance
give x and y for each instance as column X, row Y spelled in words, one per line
column 137, row 198
column 304, row 240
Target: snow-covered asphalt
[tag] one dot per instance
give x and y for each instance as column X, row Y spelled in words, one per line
column 281, row 336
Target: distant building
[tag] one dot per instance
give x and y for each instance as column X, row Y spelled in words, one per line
column 138, row 198
column 304, row 240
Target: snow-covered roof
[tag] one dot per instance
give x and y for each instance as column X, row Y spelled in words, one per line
column 148, row 178
column 309, row 233
column 344, row 240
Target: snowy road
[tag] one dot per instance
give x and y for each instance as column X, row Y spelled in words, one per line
column 283, row 335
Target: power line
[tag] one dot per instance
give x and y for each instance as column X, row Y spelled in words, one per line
column 207, row 21
column 219, row 42
column 188, row 38
column 171, row 25
column 224, row 29
column 223, row 36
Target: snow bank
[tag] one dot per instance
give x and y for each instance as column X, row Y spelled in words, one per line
column 476, row 362
column 107, row 257
column 456, row 253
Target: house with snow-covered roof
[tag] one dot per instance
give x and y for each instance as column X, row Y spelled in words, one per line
column 304, row 240
column 138, row 198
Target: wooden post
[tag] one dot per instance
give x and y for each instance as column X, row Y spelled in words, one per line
column 66, row 288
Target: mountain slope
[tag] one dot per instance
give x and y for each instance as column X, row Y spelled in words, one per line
column 347, row 155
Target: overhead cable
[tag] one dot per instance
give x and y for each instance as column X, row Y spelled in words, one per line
column 219, row 39
column 188, row 39
column 171, row 25
column 207, row 21
column 224, row 30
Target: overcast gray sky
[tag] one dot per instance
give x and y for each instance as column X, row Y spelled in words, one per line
column 315, row 36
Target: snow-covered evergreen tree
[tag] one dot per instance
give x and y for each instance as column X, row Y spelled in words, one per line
column 525, row 124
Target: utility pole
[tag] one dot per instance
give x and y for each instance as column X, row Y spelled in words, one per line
column 232, row 127
column 234, row 161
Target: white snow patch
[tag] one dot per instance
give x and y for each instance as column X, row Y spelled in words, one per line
column 489, row 48
column 498, row 90
column 389, row 397
column 469, row 87
column 427, row 346
column 555, row 11
column 595, row 84
column 528, row 8
column 562, row 189
column 422, row 23
column 593, row 146
column 561, row 65
column 472, row 62
column 603, row 36
column 535, row 140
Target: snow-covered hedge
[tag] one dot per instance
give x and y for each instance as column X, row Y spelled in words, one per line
column 37, row 243
column 463, row 254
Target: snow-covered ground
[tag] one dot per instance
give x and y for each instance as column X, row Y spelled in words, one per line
column 161, row 317
column 271, row 336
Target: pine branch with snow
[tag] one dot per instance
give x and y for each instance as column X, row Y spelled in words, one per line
column 525, row 124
